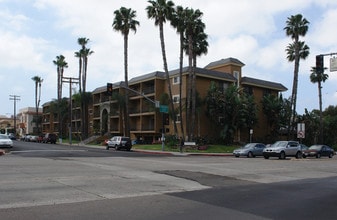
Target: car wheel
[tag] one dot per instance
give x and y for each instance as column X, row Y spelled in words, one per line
column 116, row 147
column 128, row 149
column 250, row 154
column 298, row 155
column 266, row 157
column 330, row 155
column 107, row 147
column 237, row 156
column 318, row 155
column 282, row 155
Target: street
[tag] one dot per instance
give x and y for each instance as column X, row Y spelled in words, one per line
column 45, row 181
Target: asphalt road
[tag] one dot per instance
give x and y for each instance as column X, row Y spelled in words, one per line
column 43, row 181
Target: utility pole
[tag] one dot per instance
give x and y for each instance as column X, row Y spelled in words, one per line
column 15, row 98
column 70, row 80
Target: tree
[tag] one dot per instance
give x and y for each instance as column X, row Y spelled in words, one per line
column 38, row 80
column 272, row 108
column 296, row 26
column 83, row 54
column 229, row 110
column 160, row 11
column 195, row 45
column 61, row 63
column 317, row 77
column 61, row 108
column 123, row 22
column 178, row 22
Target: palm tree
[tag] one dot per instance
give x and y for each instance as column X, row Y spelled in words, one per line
column 124, row 22
column 61, row 64
column 38, row 80
column 160, row 11
column 194, row 35
column 317, row 77
column 296, row 26
column 178, row 21
column 200, row 46
column 83, row 54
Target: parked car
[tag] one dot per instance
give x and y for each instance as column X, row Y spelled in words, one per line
column 11, row 136
column 5, row 141
column 282, row 149
column 319, row 150
column 250, row 150
column 49, row 138
column 119, row 142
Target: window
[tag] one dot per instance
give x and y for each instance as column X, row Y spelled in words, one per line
column 176, row 80
column 176, row 99
column 178, row 118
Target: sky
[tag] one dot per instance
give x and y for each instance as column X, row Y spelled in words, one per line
column 34, row 32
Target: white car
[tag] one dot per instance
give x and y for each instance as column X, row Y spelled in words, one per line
column 5, row 141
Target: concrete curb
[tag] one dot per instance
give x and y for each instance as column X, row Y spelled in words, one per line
column 182, row 154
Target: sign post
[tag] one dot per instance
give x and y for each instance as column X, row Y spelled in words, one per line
column 300, row 130
column 164, row 110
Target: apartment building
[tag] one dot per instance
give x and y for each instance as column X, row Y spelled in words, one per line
column 145, row 119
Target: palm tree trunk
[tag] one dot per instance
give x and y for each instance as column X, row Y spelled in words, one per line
column 181, row 84
column 126, row 121
column 320, row 112
column 189, row 89
column 161, row 32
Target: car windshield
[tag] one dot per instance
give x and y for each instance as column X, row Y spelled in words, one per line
column 249, row 145
column 3, row 136
column 315, row 147
column 280, row 144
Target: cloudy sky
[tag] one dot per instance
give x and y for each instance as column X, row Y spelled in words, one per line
column 34, row 32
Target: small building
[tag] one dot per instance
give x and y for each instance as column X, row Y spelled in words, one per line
column 25, row 121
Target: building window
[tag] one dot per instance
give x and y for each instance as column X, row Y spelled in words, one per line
column 178, row 118
column 266, row 92
column 236, row 75
column 176, row 99
column 248, row 90
column 176, row 80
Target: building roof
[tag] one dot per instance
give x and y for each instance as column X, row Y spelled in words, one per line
column 221, row 62
column 146, row 77
column 263, row 83
column 208, row 73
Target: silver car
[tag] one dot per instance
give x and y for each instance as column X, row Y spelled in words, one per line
column 282, row 149
column 250, row 150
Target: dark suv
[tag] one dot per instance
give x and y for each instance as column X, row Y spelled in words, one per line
column 119, row 142
column 49, row 138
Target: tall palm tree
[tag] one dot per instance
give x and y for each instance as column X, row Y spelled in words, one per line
column 178, row 22
column 83, row 54
column 296, row 26
column 123, row 22
column 200, row 46
column 194, row 28
column 38, row 81
column 61, row 63
column 317, row 77
column 160, row 11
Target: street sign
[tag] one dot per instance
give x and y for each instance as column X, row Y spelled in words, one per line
column 333, row 64
column 301, row 130
column 163, row 108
